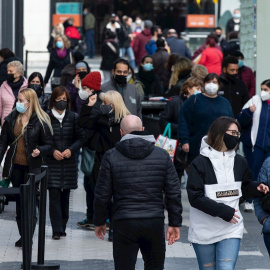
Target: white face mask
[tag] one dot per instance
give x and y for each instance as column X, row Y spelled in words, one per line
column 138, row 22
column 211, row 88
column 83, row 94
column 129, row 76
column 265, row 95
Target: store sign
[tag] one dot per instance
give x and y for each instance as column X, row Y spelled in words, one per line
column 60, row 18
column 68, row 8
column 200, row 21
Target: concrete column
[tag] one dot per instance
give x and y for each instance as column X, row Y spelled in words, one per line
column 263, row 41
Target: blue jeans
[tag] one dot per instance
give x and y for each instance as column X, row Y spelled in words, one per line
column 90, row 42
column 221, row 255
column 130, row 54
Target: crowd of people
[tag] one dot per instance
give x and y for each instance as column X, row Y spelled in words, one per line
column 210, row 100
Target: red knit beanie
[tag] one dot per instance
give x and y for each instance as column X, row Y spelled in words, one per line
column 92, row 81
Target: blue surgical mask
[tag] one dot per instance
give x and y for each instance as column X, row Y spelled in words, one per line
column 196, row 92
column 20, row 107
column 148, row 67
column 59, row 44
column 237, row 15
column 240, row 63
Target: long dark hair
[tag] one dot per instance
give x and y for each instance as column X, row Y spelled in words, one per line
column 218, row 129
column 33, row 76
column 266, row 82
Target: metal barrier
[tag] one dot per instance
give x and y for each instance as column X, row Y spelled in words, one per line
column 28, row 202
column 26, row 58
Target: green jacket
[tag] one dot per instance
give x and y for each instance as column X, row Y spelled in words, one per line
column 89, row 21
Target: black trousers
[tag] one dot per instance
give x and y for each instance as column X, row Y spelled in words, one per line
column 130, row 235
column 59, row 209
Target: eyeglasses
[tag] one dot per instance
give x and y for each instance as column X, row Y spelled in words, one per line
column 235, row 133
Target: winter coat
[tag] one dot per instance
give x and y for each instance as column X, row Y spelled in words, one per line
column 102, row 135
column 68, row 74
column 36, row 136
column 109, row 53
column 212, row 59
column 50, row 44
column 230, row 26
column 3, row 68
column 196, row 116
column 160, row 57
column 201, row 49
column 151, row 47
column 57, row 64
column 76, row 101
column 175, row 89
column 129, row 93
column 139, row 45
column 235, row 91
column 44, row 101
column 247, row 76
column 124, row 39
column 63, row 174
column 136, row 173
column 231, row 47
column 171, row 114
column 215, row 184
column 7, row 99
column 178, row 46
column 261, row 214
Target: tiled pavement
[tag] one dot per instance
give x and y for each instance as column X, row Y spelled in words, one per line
column 81, row 249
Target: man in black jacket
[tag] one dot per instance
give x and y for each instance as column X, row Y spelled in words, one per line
column 136, row 173
column 232, row 88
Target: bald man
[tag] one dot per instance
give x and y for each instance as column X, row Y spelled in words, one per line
column 135, row 174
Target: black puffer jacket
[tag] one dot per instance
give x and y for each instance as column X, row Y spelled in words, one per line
column 36, row 136
column 57, row 64
column 44, row 101
column 101, row 135
column 136, row 173
column 63, row 174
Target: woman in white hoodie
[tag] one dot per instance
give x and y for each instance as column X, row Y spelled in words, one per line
column 217, row 179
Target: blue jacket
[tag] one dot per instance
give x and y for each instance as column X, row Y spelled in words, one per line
column 197, row 115
column 151, row 47
column 261, row 214
column 178, row 46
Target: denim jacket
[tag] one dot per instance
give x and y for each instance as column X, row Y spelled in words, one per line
column 261, row 214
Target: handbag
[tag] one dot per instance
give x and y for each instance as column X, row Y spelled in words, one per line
column 88, row 160
column 180, row 158
column 166, row 142
column 265, row 202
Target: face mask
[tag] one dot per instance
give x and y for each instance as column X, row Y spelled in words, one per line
column 20, row 107
column 83, row 94
column 60, row 105
column 196, row 92
column 113, row 21
column 59, row 44
column 218, row 36
column 10, row 77
column 70, row 23
column 240, row 63
column 57, row 32
column 237, row 16
column 211, row 88
column 230, row 141
column 148, row 67
column 231, row 77
column 106, row 109
column 37, row 87
column 129, row 76
column 120, row 79
column 138, row 22
column 82, row 74
column 265, row 96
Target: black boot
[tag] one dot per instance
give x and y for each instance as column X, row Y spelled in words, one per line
column 110, row 233
column 19, row 242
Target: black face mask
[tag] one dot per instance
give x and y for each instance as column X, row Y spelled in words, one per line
column 230, row 141
column 37, row 88
column 120, row 79
column 113, row 21
column 10, row 77
column 231, row 77
column 105, row 109
column 60, row 105
column 218, row 36
column 82, row 74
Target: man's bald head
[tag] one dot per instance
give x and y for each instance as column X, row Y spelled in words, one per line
column 131, row 123
column 171, row 32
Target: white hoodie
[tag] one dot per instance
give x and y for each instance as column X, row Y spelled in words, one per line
column 205, row 229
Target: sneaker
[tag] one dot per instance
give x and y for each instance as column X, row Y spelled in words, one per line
column 92, row 227
column 19, row 243
column 56, row 236
column 63, row 234
column 85, row 223
column 248, row 207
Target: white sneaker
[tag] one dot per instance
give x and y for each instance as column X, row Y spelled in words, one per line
column 248, row 207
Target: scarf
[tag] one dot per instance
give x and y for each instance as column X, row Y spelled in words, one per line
column 61, row 53
column 147, row 78
column 58, row 116
column 15, row 86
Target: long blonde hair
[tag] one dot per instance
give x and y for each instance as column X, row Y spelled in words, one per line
column 114, row 98
column 34, row 106
column 182, row 64
column 62, row 29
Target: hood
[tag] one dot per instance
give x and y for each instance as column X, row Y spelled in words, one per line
column 207, row 151
column 146, row 32
column 136, row 146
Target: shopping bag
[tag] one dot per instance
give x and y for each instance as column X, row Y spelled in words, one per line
column 88, row 160
column 167, row 143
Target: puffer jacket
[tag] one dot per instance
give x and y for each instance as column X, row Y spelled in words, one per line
column 44, row 101
column 63, row 174
column 136, row 173
column 7, row 99
column 36, row 136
